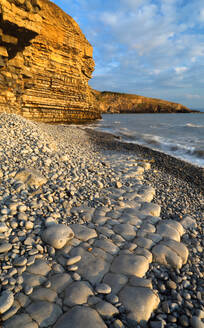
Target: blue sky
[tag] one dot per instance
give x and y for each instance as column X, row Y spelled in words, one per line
column 153, row 48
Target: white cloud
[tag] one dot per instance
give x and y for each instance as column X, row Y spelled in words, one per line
column 156, row 71
column 110, row 19
column 152, row 47
column 190, row 96
column 180, row 70
column 202, row 15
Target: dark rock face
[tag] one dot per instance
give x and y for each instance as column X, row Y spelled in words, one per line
column 113, row 102
column 45, row 63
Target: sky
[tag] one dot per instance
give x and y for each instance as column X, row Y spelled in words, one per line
column 153, row 48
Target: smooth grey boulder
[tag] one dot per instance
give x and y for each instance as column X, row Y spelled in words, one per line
column 30, row 177
column 60, row 281
column 77, row 293
column 6, row 301
column 188, row 223
column 165, row 255
column 150, row 209
column 5, row 247
column 44, row 313
column 116, row 281
column 43, row 294
column 106, row 310
column 107, row 245
column 196, row 322
column 126, row 230
column 130, row 264
column 80, row 317
column 57, row 235
column 179, row 248
column 140, row 302
column 166, row 230
column 82, row 232
column 93, row 265
column 20, row 320
column 39, row 267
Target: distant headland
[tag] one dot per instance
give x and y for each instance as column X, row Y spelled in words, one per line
column 115, row 102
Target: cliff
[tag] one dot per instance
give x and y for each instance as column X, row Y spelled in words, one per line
column 113, row 102
column 45, row 63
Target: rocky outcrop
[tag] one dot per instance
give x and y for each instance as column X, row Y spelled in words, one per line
column 113, row 102
column 45, row 63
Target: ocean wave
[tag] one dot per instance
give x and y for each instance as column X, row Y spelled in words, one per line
column 182, row 151
column 179, row 138
column 191, row 125
column 152, row 139
column 199, row 153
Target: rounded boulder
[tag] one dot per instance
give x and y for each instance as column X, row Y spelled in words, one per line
column 57, row 235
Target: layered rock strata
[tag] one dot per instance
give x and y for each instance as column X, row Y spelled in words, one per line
column 114, row 102
column 45, row 63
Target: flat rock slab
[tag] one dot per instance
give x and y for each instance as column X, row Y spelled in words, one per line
column 148, row 227
column 106, row 310
column 6, row 301
column 82, row 232
column 91, row 267
column 31, row 177
column 165, row 255
column 107, row 246
column 130, row 219
column 105, row 231
column 132, row 211
column 179, row 248
column 155, row 237
column 196, row 322
column 166, row 230
column 44, row 313
column 150, row 209
column 140, row 301
column 127, row 231
column 176, row 225
column 130, row 195
column 57, row 235
column 140, row 282
column 33, row 280
column 77, row 293
column 144, row 242
column 20, row 320
column 144, row 252
column 39, row 267
column 43, row 294
column 189, row 223
column 135, row 265
column 5, row 247
column 80, row 317
column 60, row 281
column 116, row 281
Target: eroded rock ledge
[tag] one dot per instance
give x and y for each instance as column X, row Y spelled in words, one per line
column 45, row 63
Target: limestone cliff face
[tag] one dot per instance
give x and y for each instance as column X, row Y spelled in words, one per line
column 113, row 102
column 45, row 62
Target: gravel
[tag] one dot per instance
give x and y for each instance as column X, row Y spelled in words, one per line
column 179, row 191
column 49, row 172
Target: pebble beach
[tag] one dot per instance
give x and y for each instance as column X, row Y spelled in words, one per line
column 96, row 233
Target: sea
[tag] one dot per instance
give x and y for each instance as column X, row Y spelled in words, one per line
column 179, row 135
